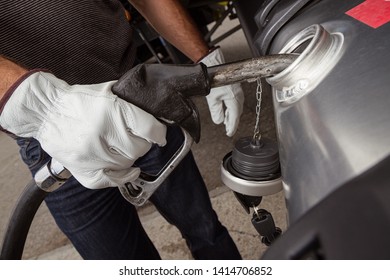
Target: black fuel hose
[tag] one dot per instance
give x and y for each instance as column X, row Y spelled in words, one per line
column 20, row 221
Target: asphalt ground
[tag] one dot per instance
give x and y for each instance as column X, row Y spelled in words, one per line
column 46, row 241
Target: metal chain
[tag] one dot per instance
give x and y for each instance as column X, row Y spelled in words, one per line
column 259, row 91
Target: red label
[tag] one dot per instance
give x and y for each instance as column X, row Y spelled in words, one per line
column 374, row 13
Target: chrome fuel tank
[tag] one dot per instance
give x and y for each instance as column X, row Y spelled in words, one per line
column 339, row 127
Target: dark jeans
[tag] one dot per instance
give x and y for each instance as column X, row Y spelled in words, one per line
column 101, row 224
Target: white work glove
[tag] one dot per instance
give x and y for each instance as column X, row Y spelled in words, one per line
column 231, row 96
column 93, row 133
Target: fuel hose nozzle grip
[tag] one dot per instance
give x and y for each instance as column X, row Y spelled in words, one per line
column 165, row 91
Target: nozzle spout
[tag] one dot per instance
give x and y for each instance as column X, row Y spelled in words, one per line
column 249, row 69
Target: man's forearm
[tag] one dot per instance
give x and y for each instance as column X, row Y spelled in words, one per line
column 171, row 20
column 10, row 72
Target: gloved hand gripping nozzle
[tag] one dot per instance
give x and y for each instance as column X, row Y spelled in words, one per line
column 165, row 91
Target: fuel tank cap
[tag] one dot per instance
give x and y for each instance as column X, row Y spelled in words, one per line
column 252, row 168
column 255, row 161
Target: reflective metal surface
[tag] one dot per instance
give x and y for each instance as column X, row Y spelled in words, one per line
column 342, row 128
column 51, row 176
column 321, row 51
column 139, row 191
